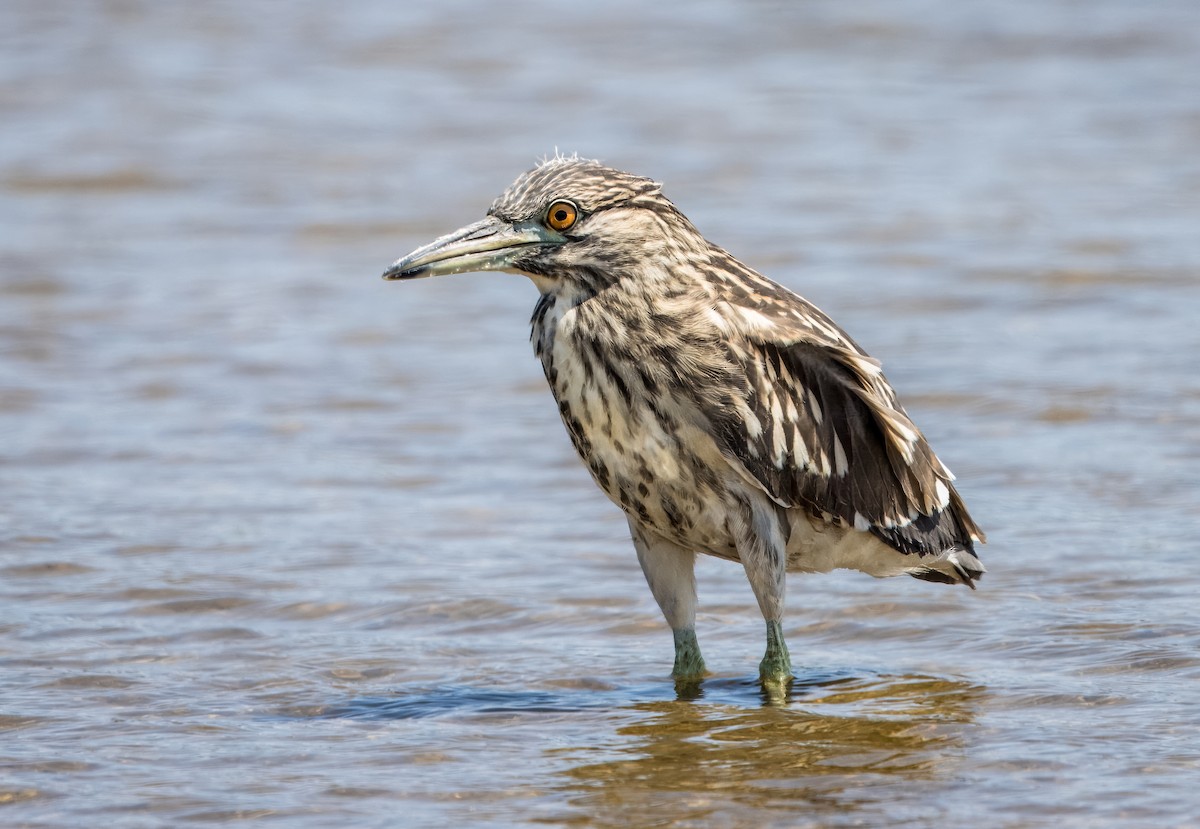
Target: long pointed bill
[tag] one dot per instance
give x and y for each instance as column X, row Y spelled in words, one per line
column 490, row 245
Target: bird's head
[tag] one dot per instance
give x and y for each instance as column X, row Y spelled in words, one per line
column 567, row 223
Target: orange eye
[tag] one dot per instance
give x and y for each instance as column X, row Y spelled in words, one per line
column 561, row 215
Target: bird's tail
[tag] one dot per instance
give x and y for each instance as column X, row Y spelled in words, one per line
column 954, row 566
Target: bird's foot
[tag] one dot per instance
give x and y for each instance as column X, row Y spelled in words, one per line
column 689, row 664
column 776, row 665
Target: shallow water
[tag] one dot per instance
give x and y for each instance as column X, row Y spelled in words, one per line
column 286, row 544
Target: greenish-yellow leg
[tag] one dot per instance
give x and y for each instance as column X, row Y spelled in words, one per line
column 670, row 572
column 689, row 664
column 776, row 665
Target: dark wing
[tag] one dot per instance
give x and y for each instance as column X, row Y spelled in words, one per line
column 819, row 428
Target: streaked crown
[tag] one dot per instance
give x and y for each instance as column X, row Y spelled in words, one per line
column 587, row 183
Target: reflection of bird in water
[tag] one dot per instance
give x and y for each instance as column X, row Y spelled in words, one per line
column 836, row 752
column 722, row 412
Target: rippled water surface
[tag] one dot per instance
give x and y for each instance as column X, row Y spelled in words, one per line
column 283, row 543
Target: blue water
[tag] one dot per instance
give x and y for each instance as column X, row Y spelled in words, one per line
column 283, row 543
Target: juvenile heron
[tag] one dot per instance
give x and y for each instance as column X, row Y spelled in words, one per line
column 723, row 413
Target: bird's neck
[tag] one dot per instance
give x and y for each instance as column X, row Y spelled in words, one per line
column 628, row 311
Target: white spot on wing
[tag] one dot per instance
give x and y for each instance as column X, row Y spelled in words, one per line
column 753, row 424
column 755, row 321
column 799, row 447
column 943, row 494
column 822, row 464
column 717, row 319
column 776, row 409
column 867, row 366
column 840, row 466
column 814, row 406
column 791, row 413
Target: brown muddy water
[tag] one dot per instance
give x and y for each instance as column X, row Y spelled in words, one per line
column 285, row 544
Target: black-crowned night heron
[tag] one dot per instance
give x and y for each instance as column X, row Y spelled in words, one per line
column 723, row 413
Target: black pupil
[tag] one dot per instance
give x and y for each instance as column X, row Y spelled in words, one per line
column 560, row 215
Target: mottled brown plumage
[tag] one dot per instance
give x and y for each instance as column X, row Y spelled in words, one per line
column 722, row 412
